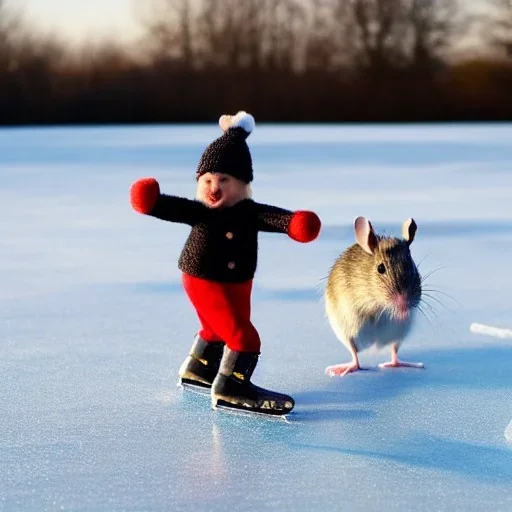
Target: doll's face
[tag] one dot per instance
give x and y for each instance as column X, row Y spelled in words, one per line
column 221, row 190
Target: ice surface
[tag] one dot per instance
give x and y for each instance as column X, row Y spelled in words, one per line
column 94, row 326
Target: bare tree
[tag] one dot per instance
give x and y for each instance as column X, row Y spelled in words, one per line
column 384, row 34
column 500, row 25
column 169, row 28
column 431, row 26
column 324, row 36
column 375, row 32
column 8, row 23
column 381, row 34
column 223, row 27
column 278, row 33
column 232, row 33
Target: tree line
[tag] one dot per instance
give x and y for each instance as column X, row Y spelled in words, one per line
column 283, row 60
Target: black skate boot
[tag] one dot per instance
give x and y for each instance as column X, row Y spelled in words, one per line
column 201, row 366
column 232, row 388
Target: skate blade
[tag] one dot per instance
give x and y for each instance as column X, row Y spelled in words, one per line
column 194, row 388
column 243, row 411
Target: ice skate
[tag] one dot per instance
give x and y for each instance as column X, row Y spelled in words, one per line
column 200, row 367
column 233, row 390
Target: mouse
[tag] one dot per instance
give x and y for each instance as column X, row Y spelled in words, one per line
column 372, row 295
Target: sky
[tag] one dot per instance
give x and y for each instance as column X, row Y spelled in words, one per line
column 82, row 19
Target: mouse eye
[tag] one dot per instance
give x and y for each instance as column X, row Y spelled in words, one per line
column 381, row 268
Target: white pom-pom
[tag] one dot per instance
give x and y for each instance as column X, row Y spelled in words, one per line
column 240, row 120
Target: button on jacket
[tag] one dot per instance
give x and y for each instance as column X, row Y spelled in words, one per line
column 223, row 243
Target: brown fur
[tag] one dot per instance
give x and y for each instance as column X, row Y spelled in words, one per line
column 358, row 296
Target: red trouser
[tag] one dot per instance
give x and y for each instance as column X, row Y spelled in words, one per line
column 224, row 311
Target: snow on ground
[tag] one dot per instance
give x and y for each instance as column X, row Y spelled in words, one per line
column 94, row 326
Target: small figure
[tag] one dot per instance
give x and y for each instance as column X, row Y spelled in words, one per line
column 218, row 264
column 372, row 293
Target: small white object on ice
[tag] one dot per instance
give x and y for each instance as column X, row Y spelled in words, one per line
column 508, row 432
column 491, row 331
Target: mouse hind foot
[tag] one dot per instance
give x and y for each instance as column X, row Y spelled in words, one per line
column 398, row 363
column 401, row 364
column 345, row 368
column 342, row 369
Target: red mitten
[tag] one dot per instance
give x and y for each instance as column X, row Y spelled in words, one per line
column 304, row 226
column 143, row 194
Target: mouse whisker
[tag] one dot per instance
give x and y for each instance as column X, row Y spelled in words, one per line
column 431, row 308
column 438, row 302
column 425, row 315
column 418, row 264
column 428, row 274
column 447, row 295
column 435, row 299
column 432, row 297
column 425, row 302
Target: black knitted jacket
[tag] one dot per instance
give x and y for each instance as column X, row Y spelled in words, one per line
column 223, row 243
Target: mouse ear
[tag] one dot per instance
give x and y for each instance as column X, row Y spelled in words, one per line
column 409, row 228
column 365, row 236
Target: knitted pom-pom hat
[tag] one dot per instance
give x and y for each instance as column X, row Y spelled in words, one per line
column 229, row 154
